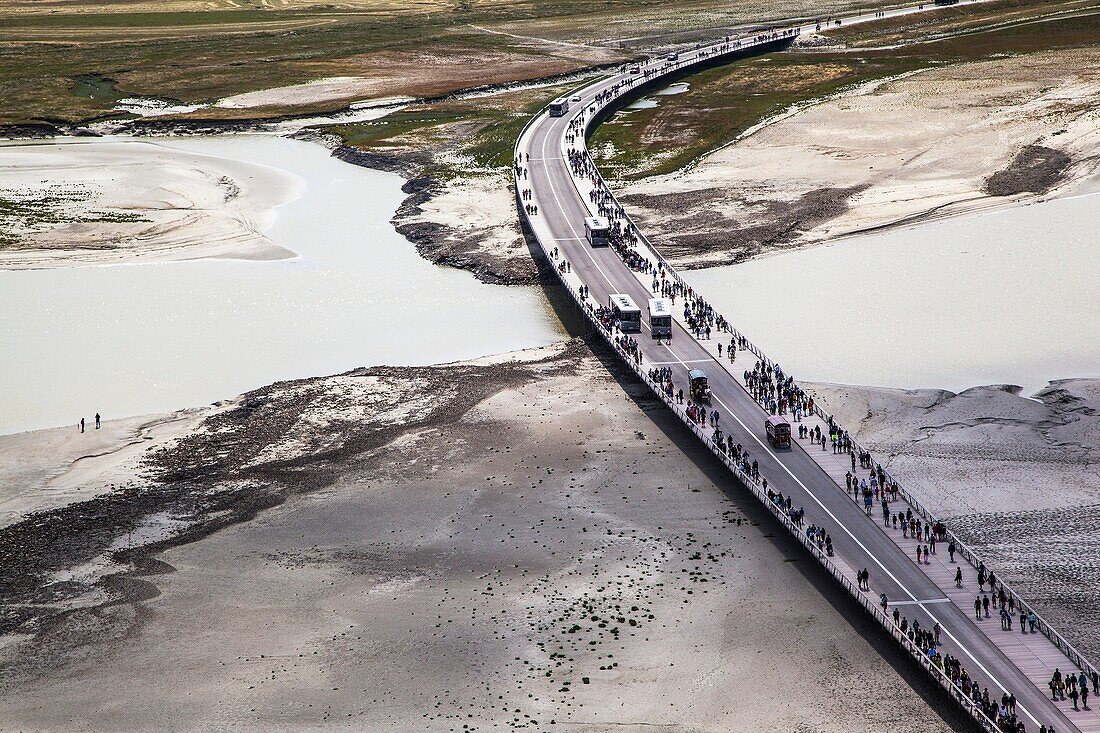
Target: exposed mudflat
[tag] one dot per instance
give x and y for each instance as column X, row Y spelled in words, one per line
column 707, row 228
column 81, row 202
column 509, row 543
column 944, row 141
column 1019, row 478
column 1035, row 169
column 468, row 223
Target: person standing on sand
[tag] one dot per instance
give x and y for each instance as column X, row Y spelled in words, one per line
column 97, row 421
column 82, row 425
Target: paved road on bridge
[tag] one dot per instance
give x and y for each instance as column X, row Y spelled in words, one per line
column 860, row 541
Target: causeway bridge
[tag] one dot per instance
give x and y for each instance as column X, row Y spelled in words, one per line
column 555, row 196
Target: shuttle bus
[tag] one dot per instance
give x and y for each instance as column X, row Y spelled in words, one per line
column 660, row 318
column 559, row 107
column 626, row 312
column 597, row 230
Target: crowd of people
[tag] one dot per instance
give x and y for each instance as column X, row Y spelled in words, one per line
column 1075, row 686
column 779, row 394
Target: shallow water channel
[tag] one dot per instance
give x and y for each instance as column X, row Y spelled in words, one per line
column 1008, row 297
column 144, row 338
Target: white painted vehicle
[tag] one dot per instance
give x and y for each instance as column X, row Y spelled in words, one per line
column 660, row 318
column 627, row 313
column 597, row 230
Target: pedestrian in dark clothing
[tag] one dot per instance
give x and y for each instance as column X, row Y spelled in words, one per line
column 82, row 425
column 97, row 421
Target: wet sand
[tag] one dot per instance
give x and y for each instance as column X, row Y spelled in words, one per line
column 98, row 202
column 1018, row 478
column 925, row 145
column 428, row 549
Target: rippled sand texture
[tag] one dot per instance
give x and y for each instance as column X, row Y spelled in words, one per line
column 120, row 201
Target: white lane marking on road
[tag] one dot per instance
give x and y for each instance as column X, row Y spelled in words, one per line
column 789, row 472
column 915, row 601
column 568, row 221
column 689, row 361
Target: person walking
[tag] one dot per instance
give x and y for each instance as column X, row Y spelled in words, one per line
column 97, row 421
column 951, row 551
column 977, row 607
column 958, row 577
column 82, row 425
column 985, row 605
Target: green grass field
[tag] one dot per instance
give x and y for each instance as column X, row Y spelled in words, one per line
column 723, row 102
column 198, row 52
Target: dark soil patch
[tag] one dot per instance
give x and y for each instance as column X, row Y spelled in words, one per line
column 1036, row 169
column 696, row 235
column 216, row 477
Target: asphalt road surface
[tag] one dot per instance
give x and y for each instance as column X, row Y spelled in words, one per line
column 858, row 540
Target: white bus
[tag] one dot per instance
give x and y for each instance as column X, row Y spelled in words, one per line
column 626, row 312
column 559, row 107
column 597, row 230
column 660, row 318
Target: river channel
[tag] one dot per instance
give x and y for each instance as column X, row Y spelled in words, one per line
column 1007, row 297
column 146, row 338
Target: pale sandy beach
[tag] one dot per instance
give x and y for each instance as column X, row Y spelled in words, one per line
column 918, row 147
column 121, row 201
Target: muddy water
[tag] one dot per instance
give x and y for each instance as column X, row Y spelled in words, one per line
column 999, row 298
column 135, row 339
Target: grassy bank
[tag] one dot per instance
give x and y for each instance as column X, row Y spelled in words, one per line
column 453, row 138
column 70, row 60
column 722, row 103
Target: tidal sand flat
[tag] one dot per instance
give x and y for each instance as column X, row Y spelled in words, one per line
column 1018, row 477
column 508, row 543
column 151, row 338
column 86, row 201
column 935, row 143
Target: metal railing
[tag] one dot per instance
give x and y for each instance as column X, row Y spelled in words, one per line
column 962, row 548
column 756, row 488
column 953, row 690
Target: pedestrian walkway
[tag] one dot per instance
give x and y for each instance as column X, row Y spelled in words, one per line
column 1032, row 652
column 565, row 188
